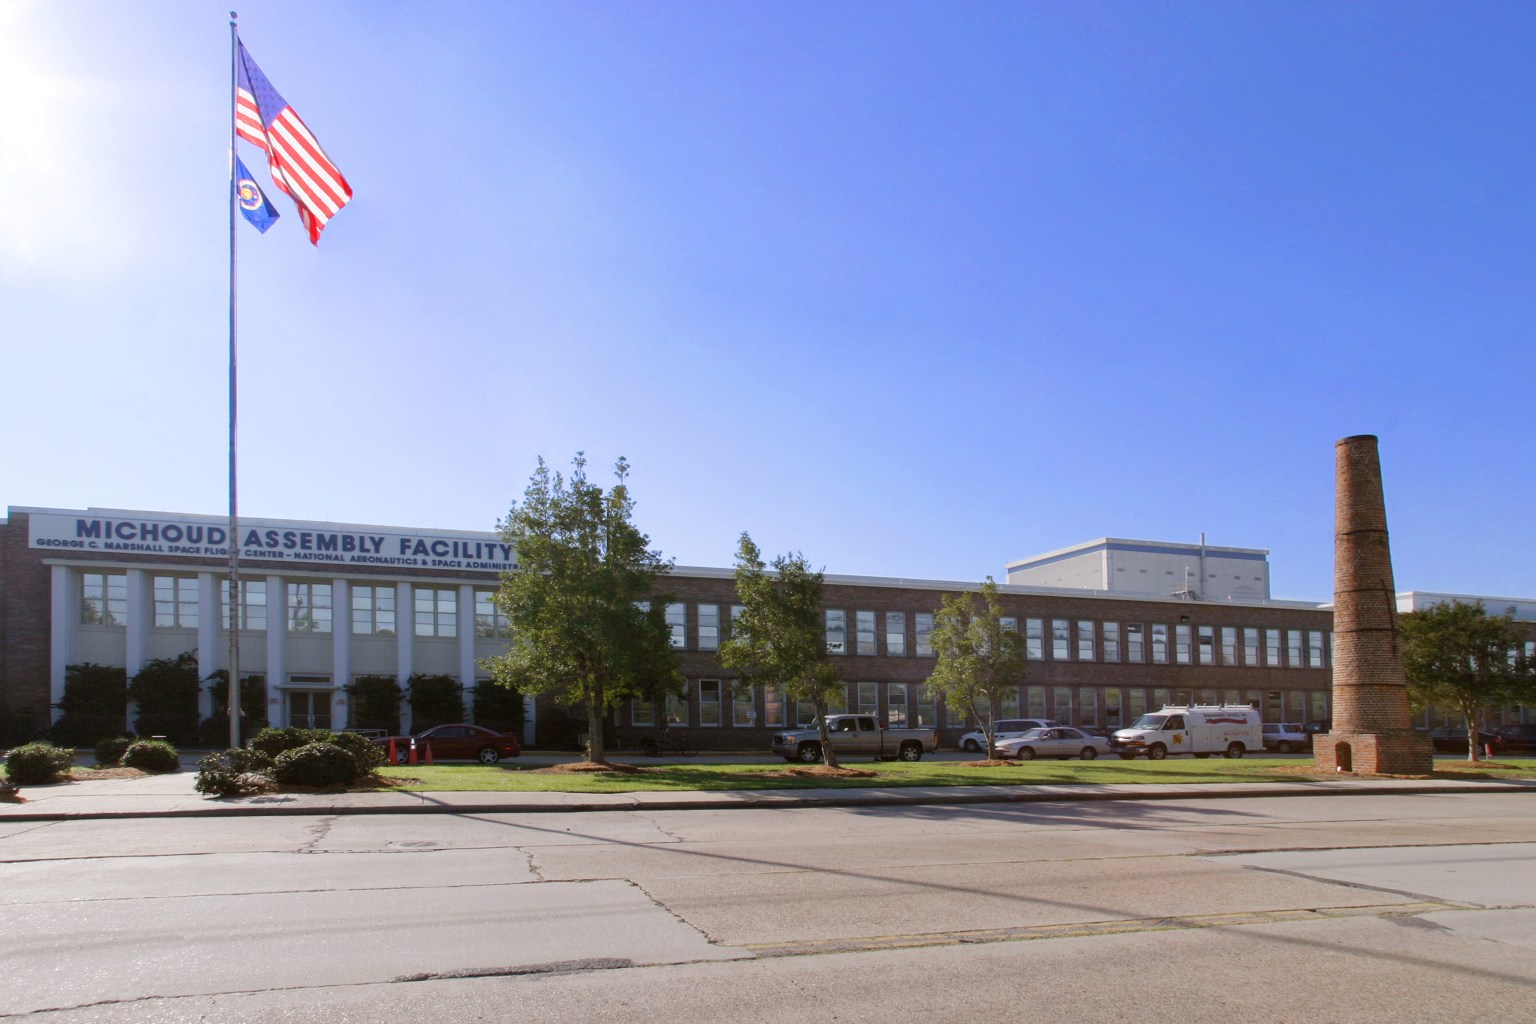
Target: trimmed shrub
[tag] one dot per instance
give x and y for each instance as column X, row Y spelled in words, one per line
column 498, row 707
column 155, row 756
column 366, row 754
column 233, row 772
column 253, row 707
column 315, row 764
column 434, row 700
column 273, row 742
column 95, row 703
column 375, row 703
column 35, row 764
column 111, row 751
column 165, row 690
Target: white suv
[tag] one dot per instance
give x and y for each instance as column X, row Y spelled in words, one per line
column 1284, row 737
column 1004, row 729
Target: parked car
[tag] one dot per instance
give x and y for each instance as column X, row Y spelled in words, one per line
column 1060, row 741
column 461, row 742
column 1284, row 737
column 1519, row 739
column 1003, row 729
column 1452, row 739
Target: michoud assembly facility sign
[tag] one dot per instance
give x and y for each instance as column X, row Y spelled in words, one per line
column 162, row 533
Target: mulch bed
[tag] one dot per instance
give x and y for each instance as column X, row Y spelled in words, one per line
column 821, row 771
column 591, row 768
column 92, row 774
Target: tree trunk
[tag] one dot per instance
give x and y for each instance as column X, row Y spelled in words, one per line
column 1474, row 749
column 595, row 726
column 828, row 755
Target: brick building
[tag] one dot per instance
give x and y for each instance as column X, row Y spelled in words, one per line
column 325, row 603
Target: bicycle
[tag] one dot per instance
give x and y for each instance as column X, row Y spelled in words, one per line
column 666, row 745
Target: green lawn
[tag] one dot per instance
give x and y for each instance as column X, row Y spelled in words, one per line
column 512, row 778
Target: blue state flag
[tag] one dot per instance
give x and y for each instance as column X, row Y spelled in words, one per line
column 253, row 202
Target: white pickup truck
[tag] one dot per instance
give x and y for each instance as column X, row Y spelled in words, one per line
column 856, row 734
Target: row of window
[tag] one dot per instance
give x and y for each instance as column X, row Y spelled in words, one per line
column 720, row 702
column 307, row 607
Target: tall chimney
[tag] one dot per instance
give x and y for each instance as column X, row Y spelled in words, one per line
column 1372, row 727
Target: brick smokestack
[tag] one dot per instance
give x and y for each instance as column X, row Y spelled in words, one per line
column 1372, row 727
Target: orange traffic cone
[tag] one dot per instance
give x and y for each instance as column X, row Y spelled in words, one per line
column 412, row 758
column 392, row 755
column 427, row 752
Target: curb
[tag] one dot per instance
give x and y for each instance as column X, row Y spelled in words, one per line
column 779, row 799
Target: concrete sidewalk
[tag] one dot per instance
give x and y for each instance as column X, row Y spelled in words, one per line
column 173, row 796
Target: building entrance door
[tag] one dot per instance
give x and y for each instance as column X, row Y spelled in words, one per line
column 309, row 709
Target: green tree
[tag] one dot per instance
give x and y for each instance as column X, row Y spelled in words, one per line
column 1458, row 656
column 977, row 656
column 582, row 598
column 780, row 637
column 166, row 691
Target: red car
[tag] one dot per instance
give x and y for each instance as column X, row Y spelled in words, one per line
column 461, row 742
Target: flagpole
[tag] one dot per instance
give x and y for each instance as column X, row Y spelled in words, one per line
column 235, row 601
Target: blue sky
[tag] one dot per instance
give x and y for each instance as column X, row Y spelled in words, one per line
column 914, row 288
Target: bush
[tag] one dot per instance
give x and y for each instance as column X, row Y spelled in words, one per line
column 34, row 764
column 375, row 703
column 165, row 690
column 273, row 742
column 151, row 756
column 110, row 751
column 366, row 754
column 233, row 772
column 434, row 700
column 95, row 703
column 315, row 764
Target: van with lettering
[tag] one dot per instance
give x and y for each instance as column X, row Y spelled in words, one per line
column 1202, row 730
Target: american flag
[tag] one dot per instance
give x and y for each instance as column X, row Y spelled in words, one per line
column 299, row 166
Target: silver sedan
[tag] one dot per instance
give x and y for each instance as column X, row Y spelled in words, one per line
column 1061, row 741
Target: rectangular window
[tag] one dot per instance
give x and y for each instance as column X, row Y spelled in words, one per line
column 1314, row 649
column 924, row 631
column 864, row 632
column 437, row 612
column 1008, row 702
column 896, row 634
column 773, row 706
column 309, row 607
column 1207, row 645
column 1253, row 698
column 1135, row 643
column 1112, row 701
column 837, row 631
column 869, row 698
column 1059, row 640
column 677, row 627
column 1250, row 647
column 737, row 611
column 1087, row 706
column 805, row 713
column 1034, row 639
column 1159, row 644
column 677, row 707
column 927, row 709
column 1161, row 698
column 489, row 620
column 709, row 702
column 1272, row 649
column 1085, row 640
column 1181, row 654
column 642, row 712
column 175, row 602
column 1035, row 697
column 1293, row 648
column 743, row 707
column 1111, row 642
column 373, row 611
column 1229, row 645
column 1274, row 707
column 1008, row 623
column 896, row 705
column 104, row 599
column 1061, row 704
column 709, row 627
column 253, row 604
column 1136, row 705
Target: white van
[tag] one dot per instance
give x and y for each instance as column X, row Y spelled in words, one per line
column 1202, row 730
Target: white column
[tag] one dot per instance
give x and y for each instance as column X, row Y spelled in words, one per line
column 405, row 644
column 212, row 651
column 341, row 652
column 64, row 625
column 467, row 674
column 277, row 643
column 136, row 642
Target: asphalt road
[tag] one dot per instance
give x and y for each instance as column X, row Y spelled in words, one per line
column 1371, row 908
